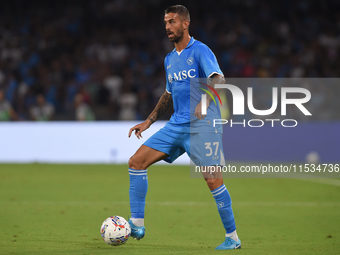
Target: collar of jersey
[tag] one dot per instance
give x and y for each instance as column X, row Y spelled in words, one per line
column 192, row 40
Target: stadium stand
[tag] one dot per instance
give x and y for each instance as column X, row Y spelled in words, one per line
column 110, row 53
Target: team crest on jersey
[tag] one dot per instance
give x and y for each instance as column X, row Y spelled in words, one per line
column 190, row 61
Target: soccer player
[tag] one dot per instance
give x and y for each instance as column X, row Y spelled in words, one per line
column 189, row 60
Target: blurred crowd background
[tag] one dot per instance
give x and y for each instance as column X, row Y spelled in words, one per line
column 103, row 60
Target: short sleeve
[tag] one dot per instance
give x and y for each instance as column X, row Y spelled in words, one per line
column 168, row 86
column 208, row 61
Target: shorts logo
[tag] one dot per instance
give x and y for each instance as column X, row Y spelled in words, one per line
column 190, row 61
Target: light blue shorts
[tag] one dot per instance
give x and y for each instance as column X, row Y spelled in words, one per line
column 204, row 149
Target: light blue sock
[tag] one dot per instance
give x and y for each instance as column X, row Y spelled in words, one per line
column 137, row 192
column 223, row 201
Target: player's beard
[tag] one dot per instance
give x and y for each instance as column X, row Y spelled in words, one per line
column 177, row 36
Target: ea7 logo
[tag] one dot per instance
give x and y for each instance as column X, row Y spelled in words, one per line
column 238, row 100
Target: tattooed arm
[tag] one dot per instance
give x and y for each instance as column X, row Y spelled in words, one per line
column 163, row 105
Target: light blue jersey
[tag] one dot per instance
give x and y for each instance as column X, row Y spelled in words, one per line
column 183, row 70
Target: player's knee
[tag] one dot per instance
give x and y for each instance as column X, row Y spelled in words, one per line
column 214, row 183
column 136, row 163
column 132, row 162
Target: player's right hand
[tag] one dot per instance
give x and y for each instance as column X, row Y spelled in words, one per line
column 140, row 128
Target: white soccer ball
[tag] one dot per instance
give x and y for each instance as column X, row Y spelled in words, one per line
column 115, row 230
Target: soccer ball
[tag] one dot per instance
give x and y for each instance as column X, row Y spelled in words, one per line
column 115, row 230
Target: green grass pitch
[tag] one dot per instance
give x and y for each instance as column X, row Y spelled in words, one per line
column 58, row 209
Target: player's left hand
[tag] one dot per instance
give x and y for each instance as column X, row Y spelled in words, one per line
column 198, row 112
column 140, row 128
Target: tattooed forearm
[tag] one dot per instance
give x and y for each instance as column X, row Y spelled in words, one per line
column 163, row 105
column 151, row 119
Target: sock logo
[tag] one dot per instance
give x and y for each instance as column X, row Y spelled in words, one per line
column 220, row 204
